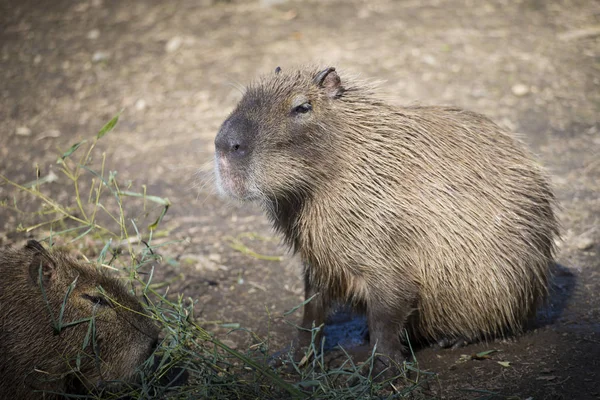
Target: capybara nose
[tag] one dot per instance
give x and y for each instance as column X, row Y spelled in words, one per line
column 228, row 145
column 233, row 137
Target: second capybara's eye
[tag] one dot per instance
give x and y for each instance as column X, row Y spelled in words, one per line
column 97, row 300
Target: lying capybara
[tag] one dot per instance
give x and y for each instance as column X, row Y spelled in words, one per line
column 65, row 327
column 430, row 219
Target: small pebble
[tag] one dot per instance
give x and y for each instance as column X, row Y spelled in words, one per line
column 51, row 133
column 140, row 105
column 23, row 131
column 100, row 56
column 93, row 34
column 429, row 59
column 584, row 242
column 214, row 257
column 173, row 44
column 520, row 89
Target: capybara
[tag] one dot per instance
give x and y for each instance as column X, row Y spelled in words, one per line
column 430, row 219
column 66, row 327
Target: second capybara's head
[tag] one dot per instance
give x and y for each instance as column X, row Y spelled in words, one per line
column 66, row 326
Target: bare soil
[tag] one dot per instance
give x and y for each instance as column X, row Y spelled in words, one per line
column 67, row 67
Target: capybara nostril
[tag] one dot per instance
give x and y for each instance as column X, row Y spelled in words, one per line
column 232, row 139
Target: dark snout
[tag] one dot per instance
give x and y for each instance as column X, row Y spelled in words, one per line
column 233, row 139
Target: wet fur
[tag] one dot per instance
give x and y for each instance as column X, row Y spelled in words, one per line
column 432, row 219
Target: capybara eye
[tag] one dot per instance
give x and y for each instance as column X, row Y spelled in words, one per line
column 303, row 108
column 97, row 300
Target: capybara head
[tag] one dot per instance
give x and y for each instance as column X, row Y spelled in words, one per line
column 65, row 326
column 277, row 139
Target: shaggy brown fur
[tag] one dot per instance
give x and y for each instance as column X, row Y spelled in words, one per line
column 35, row 356
column 432, row 219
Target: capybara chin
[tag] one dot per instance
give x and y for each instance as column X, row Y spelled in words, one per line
column 100, row 335
column 432, row 219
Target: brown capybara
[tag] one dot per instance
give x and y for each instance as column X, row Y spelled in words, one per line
column 429, row 219
column 101, row 334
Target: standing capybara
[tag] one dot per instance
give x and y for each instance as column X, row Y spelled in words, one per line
column 101, row 334
column 432, row 219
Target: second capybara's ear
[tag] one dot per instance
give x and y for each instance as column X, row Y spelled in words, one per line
column 36, row 246
column 330, row 81
column 42, row 265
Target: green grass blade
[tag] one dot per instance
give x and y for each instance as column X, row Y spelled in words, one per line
column 71, row 150
column 109, row 126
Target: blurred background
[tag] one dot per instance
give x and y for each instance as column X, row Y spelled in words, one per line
column 176, row 69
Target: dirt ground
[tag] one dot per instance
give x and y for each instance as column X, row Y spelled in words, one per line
column 67, row 67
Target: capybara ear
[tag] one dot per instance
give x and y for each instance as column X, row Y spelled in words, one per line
column 329, row 80
column 41, row 259
column 35, row 246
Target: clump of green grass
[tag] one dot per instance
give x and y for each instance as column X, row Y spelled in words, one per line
column 190, row 362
